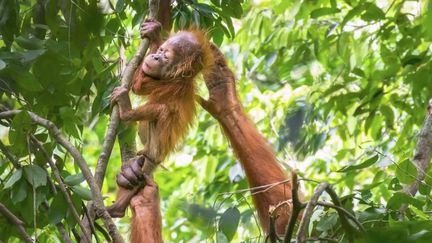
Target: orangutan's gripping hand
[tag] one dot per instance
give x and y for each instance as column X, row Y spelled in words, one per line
column 151, row 29
column 221, row 85
column 131, row 175
column 147, row 197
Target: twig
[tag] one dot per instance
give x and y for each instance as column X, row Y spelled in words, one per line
column 9, row 155
column 320, row 239
column 256, row 189
column 79, row 159
column 62, row 186
column 297, row 207
column 272, row 235
column 16, row 221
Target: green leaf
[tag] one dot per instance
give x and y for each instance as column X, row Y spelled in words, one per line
column 237, row 9
column 372, row 13
column 387, row 111
column 19, row 191
column 74, row 180
column 8, row 20
column 29, row 43
column 202, row 7
column 357, row 10
column 218, row 35
column 229, row 221
column 119, row 6
column 406, row 172
column 35, row 175
column 24, row 78
column 13, row 179
column 362, row 165
column 84, row 193
column 399, row 198
column 221, row 238
column 323, row 11
column 58, row 209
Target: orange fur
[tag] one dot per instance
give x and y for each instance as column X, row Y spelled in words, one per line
column 255, row 154
column 170, row 105
column 178, row 93
column 261, row 168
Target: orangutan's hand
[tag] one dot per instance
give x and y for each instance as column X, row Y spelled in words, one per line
column 148, row 197
column 221, row 85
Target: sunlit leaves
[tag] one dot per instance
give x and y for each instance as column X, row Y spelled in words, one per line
column 13, row 179
column 323, row 11
column 362, row 165
column 406, row 172
column 400, row 198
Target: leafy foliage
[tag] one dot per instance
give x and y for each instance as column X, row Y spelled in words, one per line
column 338, row 87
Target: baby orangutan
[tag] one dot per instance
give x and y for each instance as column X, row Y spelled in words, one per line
column 166, row 78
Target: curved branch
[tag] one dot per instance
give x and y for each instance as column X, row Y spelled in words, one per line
column 79, row 159
column 304, row 223
column 15, row 221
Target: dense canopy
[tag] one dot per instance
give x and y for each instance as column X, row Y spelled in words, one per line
column 339, row 88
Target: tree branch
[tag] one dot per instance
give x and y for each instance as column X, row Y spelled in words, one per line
column 304, row 223
column 62, row 186
column 79, row 159
column 114, row 121
column 297, row 208
column 422, row 155
column 115, row 118
column 16, row 221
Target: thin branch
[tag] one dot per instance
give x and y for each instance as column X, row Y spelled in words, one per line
column 304, row 223
column 15, row 221
column 92, row 227
column 256, row 189
column 63, row 233
column 9, row 155
column 297, row 207
column 62, row 186
column 272, row 235
column 79, row 159
column 320, row 239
